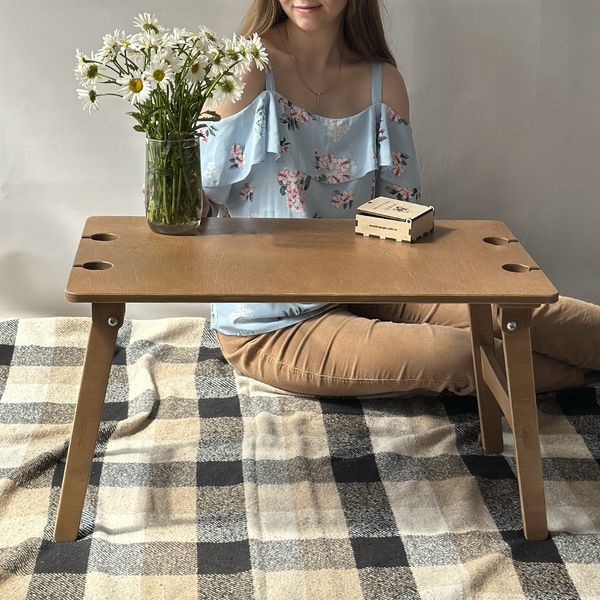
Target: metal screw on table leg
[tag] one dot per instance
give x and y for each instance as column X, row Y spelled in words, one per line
column 113, row 321
column 511, row 326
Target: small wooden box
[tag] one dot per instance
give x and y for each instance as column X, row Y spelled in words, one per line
column 398, row 220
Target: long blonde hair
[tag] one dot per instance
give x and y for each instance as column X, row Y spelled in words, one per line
column 363, row 29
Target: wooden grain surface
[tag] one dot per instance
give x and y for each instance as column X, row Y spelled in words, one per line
column 301, row 260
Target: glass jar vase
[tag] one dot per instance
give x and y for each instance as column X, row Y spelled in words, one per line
column 173, row 195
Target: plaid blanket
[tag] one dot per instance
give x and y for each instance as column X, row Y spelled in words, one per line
column 206, row 484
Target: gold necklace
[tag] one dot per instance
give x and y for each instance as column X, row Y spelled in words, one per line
column 317, row 94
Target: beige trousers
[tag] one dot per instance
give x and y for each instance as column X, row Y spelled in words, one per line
column 363, row 349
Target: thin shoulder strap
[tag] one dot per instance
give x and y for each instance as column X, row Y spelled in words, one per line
column 376, row 82
column 269, row 81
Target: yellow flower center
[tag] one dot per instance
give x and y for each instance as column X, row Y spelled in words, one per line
column 158, row 74
column 195, row 68
column 136, row 85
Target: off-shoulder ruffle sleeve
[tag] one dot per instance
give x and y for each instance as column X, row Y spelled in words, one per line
column 398, row 175
column 230, row 147
column 309, row 148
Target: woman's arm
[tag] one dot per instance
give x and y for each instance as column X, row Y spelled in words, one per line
column 398, row 175
column 394, row 92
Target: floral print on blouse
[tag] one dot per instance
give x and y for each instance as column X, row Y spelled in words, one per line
column 275, row 159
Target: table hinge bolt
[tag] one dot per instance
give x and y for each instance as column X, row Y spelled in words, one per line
column 511, row 326
column 113, row 321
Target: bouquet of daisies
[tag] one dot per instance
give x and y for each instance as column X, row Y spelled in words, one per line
column 171, row 77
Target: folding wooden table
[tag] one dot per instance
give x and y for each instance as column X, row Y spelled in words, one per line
column 479, row 263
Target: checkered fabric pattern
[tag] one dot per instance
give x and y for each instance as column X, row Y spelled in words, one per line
column 206, row 484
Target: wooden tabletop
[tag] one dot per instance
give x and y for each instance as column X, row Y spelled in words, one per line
column 119, row 259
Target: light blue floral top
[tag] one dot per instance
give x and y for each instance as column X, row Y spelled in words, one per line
column 274, row 159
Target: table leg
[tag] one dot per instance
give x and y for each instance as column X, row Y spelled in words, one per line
column 106, row 320
column 521, row 391
column 482, row 336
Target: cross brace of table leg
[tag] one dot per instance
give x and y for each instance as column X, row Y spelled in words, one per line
column 514, row 396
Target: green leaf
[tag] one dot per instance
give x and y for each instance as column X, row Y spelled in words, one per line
column 138, row 117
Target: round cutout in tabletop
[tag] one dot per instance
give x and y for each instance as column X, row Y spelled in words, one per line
column 497, row 241
column 97, row 265
column 519, row 268
column 104, row 237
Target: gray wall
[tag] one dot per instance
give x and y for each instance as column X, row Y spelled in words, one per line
column 504, row 108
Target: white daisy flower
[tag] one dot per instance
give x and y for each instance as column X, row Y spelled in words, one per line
column 89, row 95
column 129, row 42
column 168, row 42
column 257, row 51
column 159, row 73
column 81, row 66
column 233, row 48
column 235, row 52
column 197, row 70
column 147, row 40
column 229, row 89
column 136, row 87
column 219, row 63
column 111, row 44
column 174, row 60
column 79, row 56
column 88, row 68
column 147, row 22
column 208, row 35
column 129, row 47
column 198, row 40
column 165, row 43
column 242, row 44
column 178, row 36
